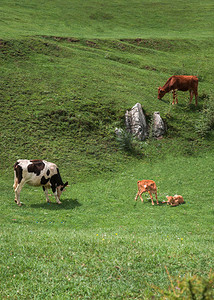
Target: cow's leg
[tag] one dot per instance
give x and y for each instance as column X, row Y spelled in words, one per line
column 136, row 196
column 191, row 95
column 151, row 197
column 196, row 97
column 156, row 196
column 140, row 193
column 57, row 199
column 15, row 186
column 17, row 193
column 54, row 189
column 46, row 194
column 174, row 97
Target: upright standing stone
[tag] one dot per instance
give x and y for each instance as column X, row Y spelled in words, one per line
column 136, row 122
column 159, row 128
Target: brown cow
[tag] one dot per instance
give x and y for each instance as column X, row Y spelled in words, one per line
column 147, row 186
column 180, row 83
column 174, row 201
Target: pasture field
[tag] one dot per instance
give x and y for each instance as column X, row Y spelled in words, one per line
column 99, row 244
column 69, row 72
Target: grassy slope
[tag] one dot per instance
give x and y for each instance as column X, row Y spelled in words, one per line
column 72, row 94
column 117, row 19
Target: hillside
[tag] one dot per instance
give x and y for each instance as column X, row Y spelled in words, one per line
column 61, row 98
column 112, row 19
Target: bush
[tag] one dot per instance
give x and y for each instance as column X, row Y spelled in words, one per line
column 205, row 122
column 190, row 287
column 128, row 143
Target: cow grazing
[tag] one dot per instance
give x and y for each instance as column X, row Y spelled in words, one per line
column 174, row 200
column 180, row 83
column 38, row 173
column 147, row 186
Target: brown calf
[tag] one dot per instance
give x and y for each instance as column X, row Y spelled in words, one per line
column 147, row 186
column 180, row 83
column 174, row 201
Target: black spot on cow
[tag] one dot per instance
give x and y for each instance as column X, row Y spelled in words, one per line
column 36, row 167
column 44, row 180
column 48, row 172
column 56, row 181
column 18, row 170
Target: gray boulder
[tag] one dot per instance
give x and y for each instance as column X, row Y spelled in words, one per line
column 135, row 122
column 158, row 128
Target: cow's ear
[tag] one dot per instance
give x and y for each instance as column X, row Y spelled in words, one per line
column 65, row 184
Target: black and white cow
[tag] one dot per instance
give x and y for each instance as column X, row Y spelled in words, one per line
column 37, row 173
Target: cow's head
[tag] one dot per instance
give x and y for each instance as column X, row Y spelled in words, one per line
column 60, row 189
column 161, row 92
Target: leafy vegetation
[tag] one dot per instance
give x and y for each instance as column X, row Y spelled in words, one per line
column 69, row 72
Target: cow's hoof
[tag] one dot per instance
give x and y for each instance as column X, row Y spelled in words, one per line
column 59, row 202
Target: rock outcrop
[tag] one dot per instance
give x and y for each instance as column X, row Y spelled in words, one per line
column 158, row 126
column 135, row 122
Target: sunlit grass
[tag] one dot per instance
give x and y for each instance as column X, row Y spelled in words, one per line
column 99, row 237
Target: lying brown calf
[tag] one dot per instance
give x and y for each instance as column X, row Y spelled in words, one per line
column 147, row 186
column 174, row 201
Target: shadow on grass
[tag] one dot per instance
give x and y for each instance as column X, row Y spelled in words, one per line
column 159, row 205
column 66, row 204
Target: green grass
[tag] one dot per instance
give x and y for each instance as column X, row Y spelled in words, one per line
column 99, row 244
column 118, row 19
column 69, row 72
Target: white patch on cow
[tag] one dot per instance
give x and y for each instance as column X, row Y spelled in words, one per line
column 145, row 185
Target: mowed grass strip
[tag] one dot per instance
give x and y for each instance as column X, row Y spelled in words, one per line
column 120, row 19
column 100, row 243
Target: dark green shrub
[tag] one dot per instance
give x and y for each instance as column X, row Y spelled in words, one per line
column 189, row 288
column 205, row 122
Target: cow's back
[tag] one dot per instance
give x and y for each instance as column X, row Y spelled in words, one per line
column 36, row 172
column 184, row 83
column 148, row 185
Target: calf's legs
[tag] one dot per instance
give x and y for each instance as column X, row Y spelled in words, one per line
column 140, row 193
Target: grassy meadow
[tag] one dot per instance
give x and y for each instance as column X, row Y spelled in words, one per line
column 69, row 72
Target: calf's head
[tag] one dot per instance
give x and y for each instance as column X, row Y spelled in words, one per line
column 170, row 200
column 161, row 92
column 60, row 189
